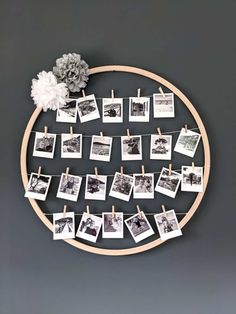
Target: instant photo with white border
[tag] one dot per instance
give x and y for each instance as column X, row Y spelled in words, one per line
column 101, row 148
column 160, row 147
column 69, row 187
column 71, row 145
column 184, row 144
column 85, row 105
column 38, row 186
column 95, row 187
column 131, row 148
column 44, row 146
column 139, row 109
column 67, row 113
column 122, row 186
column 89, row 227
column 112, row 110
column 166, row 222
column 163, row 107
column 112, row 227
column 63, row 226
column 168, row 187
column 192, row 179
column 143, row 186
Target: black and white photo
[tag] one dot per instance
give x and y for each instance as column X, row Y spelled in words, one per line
column 69, row 187
column 192, row 179
column 112, row 110
column 101, row 148
column 67, row 113
column 160, row 147
column 112, row 227
column 38, row 186
column 168, row 183
column 63, row 226
column 89, row 227
column 187, row 142
column 139, row 109
column 87, row 108
column 44, row 145
column 139, row 227
column 71, row 145
column 122, row 186
column 131, row 147
column 143, row 185
column 95, row 188
column 163, row 107
column 167, row 225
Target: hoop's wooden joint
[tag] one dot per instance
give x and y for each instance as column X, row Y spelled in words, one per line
column 161, row 91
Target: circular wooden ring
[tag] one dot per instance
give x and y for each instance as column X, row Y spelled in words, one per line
column 197, row 201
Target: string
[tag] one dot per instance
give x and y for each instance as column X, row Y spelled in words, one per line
column 125, row 214
column 100, row 98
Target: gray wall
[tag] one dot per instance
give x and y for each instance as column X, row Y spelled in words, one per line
column 191, row 43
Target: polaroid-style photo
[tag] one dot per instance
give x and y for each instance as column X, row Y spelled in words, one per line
column 112, row 227
column 87, row 108
column 44, row 146
column 143, row 185
column 71, row 146
column 95, row 188
column 100, row 148
column 89, row 227
column 168, row 184
column 67, row 113
column 63, row 226
column 192, row 179
column 163, row 107
column 187, row 142
column 160, row 147
column 69, row 187
column 38, row 186
column 131, row 147
column 167, row 225
column 139, row 227
column 112, row 110
column 122, row 186
column 139, row 109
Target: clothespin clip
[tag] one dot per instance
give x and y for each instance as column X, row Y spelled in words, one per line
column 143, row 170
column 186, row 128
column 170, row 169
column 71, row 132
column 113, row 212
column 96, row 172
column 87, row 209
column 161, row 91
column 101, row 134
column 122, row 170
column 39, row 171
column 128, row 134
column 83, row 93
column 138, row 92
column 112, row 95
column 193, row 166
column 163, row 209
column 159, row 132
column 45, row 131
column 139, row 211
column 64, row 211
column 67, row 172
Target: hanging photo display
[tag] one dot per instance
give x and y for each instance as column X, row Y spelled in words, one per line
column 168, row 225
column 139, row 109
column 122, row 186
column 63, row 226
column 143, row 185
column 89, row 227
column 87, row 108
column 38, row 186
column 187, row 142
column 101, row 148
column 163, row 105
column 44, row 145
column 160, row 147
column 112, row 227
column 69, row 187
column 168, row 183
column 71, row 145
column 68, row 112
column 131, row 147
column 192, row 179
column 112, row 110
column 95, row 188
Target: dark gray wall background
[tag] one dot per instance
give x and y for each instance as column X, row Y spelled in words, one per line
column 191, row 43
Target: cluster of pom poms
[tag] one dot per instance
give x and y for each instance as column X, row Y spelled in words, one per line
column 51, row 89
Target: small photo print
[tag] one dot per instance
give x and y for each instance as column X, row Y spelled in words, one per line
column 122, row 186
column 89, row 227
column 87, row 108
column 167, row 225
column 163, row 107
column 168, row 184
column 71, row 146
column 67, row 113
column 139, row 109
column 131, row 148
column 44, row 146
column 112, row 110
column 69, row 187
column 192, row 179
column 143, row 185
column 101, row 148
column 95, row 188
column 160, row 147
column 187, row 142
column 63, row 226
column 112, row 227
column 139, row 227
column 38, row 186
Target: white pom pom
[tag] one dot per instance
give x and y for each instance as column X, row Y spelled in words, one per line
column 47, row 93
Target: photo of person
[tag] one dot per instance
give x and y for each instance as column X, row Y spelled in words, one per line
column 139, row 227
column 87, row 108
column 67, row 113
column 122, row 186
column 167, row 225
column 38, row 186
column 187, row 142
column 163, row 107
column 63, row 226
column 160, row 147
column 131, row 147
column 139, row 108
column 143, row 185
column 89, row 227
column 112, row 110
column 192, row 179
column 44, row 146
column 69, row 187
column 95, row 188
column 112, row 226
column 168, row 183
column 71, row 146
column 101, row 148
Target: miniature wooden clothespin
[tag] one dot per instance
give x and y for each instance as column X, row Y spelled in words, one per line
column 128, row 134
column 163, row 209
column 139, row 211
column 83, row 93
column 138, row 92
column 64, row 211
column 161, row 91
column 143, row 170
column 71, row 132
column 101, row 134
column 87, row 209
column 193, row 166
column 113, row 211
column 112, row 95
column 170, row 169
column 45, row 131
column 186, row 128
column 159, row 132
column 122, row 170
column 96, row 172
column 67, row 172
column 39, row 171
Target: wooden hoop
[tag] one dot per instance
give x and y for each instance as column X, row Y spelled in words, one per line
column 192, row 210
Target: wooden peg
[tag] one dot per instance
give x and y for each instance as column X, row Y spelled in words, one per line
column 161, row 91
column 128, row 134
column 122, row 170
column 64, row 211
column 138, row 92
column 67, row 172
column 170, row 169
column 193, row 166
column 101, row 134
column 96, row 172
column 159, row 131
column 163, row 209
column 139, row 211
column 39, row 171
column 143, row 170
column 45, row 131
column 83, row 93
column 112, row 95
column 186, row 128
column 87, row 209
column 113, row 212
column 71, row 132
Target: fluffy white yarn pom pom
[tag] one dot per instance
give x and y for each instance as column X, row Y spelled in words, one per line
column 47, row 93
